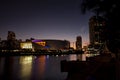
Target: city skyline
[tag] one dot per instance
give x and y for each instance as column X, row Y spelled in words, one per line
column 44, row 19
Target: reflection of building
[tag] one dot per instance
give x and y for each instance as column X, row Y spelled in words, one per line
column 96, row 26
column 79, row 43
column 51, row 44
column 25, row 71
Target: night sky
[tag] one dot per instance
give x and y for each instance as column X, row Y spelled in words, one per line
column 44, row 19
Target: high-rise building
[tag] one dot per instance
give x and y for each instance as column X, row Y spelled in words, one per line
column 11, row 35
column 12, row 42
column 96, row 30
column 79, row 43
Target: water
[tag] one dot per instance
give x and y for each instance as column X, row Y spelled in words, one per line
column 42, row 67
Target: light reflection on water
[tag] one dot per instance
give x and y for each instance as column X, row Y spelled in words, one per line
column 25, row 66
column 43, row 67
column 74, row 57
column 80, row 57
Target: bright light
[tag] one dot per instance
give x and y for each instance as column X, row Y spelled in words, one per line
column 73, row 45
column 26, row 45
column 26, row 66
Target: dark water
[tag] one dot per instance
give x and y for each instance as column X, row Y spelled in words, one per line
column 43, row 67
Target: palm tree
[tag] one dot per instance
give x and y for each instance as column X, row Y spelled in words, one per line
column 109, row 9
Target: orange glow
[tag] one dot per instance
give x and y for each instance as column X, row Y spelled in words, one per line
column 41, row 43
column 73, row 45
column 42, row 60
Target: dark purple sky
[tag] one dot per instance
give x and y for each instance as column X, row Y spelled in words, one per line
column 44, row 19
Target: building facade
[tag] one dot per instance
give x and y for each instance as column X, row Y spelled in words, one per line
column 12, row 42
column 96, row 30
column 79, row 43
column 51, row 44
column 11, row 35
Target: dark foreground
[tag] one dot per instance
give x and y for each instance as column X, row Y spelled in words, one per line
column 95, row 68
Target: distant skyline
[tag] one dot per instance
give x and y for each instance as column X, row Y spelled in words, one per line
column 44, row 19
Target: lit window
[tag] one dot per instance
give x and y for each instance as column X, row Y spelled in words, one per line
column 26, row 45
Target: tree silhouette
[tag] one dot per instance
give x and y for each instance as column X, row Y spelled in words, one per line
column 109, row 9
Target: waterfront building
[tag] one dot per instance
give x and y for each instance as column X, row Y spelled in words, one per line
column 12, row 42
column 51, row 44
column 85, row 48
column 79, row 43
column 11, row 35
column 96, row 30
column 45, row 44
column 26, row 45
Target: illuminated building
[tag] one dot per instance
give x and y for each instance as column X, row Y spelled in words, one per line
column 85, row 48
column 51, row 44
column 96, row 27
column 36, row 45
column 78, row 43
column 26, row 45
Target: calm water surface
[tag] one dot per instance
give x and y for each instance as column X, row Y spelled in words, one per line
column 43, row 67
